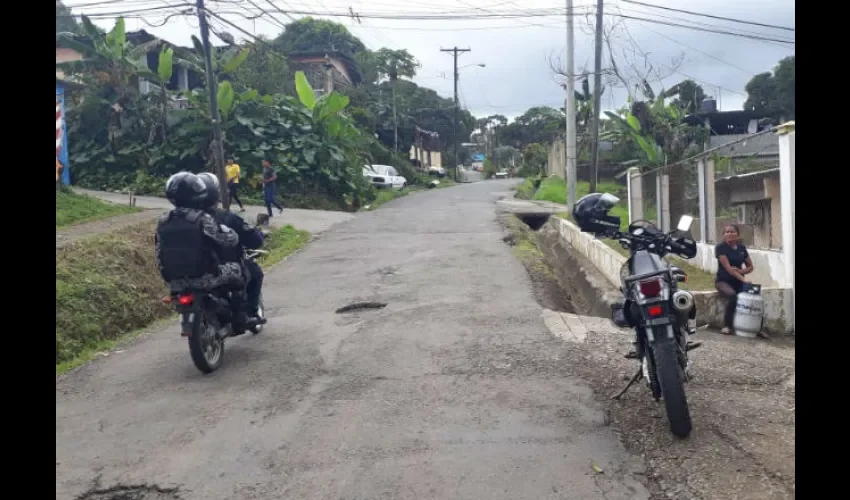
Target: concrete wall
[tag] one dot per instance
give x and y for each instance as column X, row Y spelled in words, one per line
column 769, row 265
column 778, row 304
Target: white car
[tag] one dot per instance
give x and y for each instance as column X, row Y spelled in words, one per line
column 436, row 171
column 384, row 176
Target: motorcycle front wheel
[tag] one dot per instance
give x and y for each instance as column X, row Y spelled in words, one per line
column 671, row 379
column 205, row 346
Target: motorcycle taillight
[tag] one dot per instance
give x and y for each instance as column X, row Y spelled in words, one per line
column 186, row 300
column 650, row 288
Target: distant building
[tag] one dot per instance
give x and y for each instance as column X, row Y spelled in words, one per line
column 326, row 70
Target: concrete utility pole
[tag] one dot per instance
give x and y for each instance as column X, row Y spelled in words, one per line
column 212, row 90
column 570, row 151
column 597, row 99
column 455, row 52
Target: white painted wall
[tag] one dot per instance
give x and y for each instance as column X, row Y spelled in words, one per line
column 777, row 298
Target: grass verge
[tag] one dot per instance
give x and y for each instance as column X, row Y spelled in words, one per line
column 108, row 287
column 73, row 208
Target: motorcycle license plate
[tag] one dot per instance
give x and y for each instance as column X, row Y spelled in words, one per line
column 187, row 319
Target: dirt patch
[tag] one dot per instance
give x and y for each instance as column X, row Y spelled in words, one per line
column 741, row 398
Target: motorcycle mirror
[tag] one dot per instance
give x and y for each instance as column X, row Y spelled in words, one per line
column 685, row 223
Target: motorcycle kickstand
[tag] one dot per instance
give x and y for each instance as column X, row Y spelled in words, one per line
column 637, row 376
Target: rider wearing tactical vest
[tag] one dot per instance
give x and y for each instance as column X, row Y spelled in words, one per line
column 249, row 237
column 189, row 245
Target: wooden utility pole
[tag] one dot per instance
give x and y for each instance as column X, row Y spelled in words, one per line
column 212, row 90
column 597, row 99
column 455, row 51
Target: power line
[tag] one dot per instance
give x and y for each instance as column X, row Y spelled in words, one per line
column 702, row 52
column 712, row 16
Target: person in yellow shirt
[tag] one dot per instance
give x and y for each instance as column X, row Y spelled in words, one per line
column 233, row 172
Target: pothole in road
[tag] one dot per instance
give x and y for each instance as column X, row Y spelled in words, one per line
column 131, row 492
column 358, row 306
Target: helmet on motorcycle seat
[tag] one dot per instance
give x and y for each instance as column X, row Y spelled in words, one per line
column 185, row 190
column 591, row 213
column 213, row 190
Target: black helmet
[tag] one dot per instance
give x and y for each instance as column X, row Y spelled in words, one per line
column 213, row 190
column 591, row 213
column 185, row 190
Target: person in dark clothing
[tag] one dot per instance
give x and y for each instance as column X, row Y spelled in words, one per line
column 190, row 244
column 733, row 264
column 249, row 237
column 270, row 188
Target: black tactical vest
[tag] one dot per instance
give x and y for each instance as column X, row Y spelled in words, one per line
column 183, row 248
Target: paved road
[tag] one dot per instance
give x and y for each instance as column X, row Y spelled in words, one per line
column 453, row 391
column 314, row 221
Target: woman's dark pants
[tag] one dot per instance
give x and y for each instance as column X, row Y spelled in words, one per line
column 730, row 291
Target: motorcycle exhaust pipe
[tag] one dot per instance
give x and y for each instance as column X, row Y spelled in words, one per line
column 683, row 301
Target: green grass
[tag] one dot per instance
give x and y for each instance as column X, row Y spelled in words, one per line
column 73, row 208
column 108, row 288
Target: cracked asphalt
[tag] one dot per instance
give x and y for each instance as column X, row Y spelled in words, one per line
column 454, row 390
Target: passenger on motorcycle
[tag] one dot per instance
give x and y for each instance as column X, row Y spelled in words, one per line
column 189, row 245
column 249, row 237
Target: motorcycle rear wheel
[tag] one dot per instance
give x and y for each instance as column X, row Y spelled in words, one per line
column 671, row 379
column 205, row 346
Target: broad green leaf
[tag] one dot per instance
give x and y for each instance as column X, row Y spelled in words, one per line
column 304, row 90
column 225, row 98
column 165, row 66
column 633, row 122
column 332, row 104
column 649, row 149
column 232, row 63
column 249, row 95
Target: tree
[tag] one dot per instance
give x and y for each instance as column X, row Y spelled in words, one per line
column 538, row 124
column 265, row 70
column 65, row 23
column 318, row 35
column 688, row 94
column 393, row 64
column 534, row 159
column 773, row 94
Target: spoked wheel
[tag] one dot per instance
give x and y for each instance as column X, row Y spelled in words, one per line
column 261, row 313
column 671, row 379
column 205, row 346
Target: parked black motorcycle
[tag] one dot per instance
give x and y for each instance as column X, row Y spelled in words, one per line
column 205, row 320
column 662, row 316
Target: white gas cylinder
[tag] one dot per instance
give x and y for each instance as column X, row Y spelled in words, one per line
column 749, row 312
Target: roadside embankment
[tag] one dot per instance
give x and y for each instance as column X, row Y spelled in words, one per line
column 108, row 286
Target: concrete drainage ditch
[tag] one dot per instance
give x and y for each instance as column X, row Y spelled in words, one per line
column 570, row 282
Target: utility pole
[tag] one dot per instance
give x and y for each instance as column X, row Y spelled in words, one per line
column 455, row 51
column 597, row 99
column 570, row 152
column 212, row 90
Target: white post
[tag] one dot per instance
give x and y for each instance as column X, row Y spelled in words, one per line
column 662, row 191
column 787, row 139
column 635, row 186
column 703, row 209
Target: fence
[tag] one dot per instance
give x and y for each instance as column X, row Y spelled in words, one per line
column 745, row 180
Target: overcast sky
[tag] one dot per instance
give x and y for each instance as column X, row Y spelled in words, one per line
column 517, row 51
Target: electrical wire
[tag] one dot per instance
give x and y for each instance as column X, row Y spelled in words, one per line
column 712, row 16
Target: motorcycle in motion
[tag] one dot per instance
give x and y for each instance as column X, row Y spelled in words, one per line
column 205, row 320
column 662, row 315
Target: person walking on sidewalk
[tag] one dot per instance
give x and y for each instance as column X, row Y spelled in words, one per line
column 270, row 188
column 233, row 172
